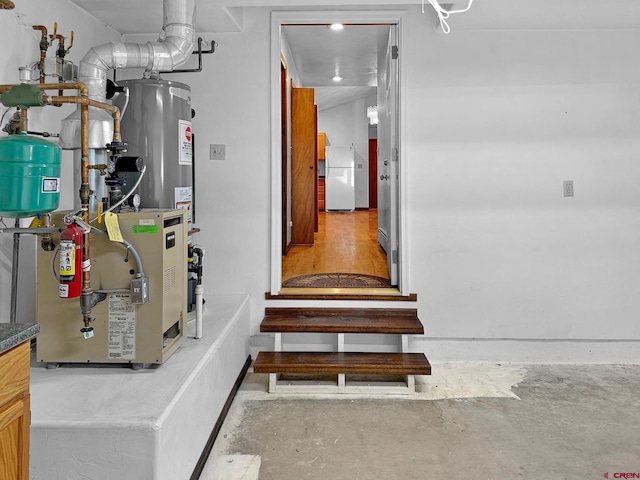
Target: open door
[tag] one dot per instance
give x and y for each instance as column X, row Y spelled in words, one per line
column 388, row 149
column 304, row 176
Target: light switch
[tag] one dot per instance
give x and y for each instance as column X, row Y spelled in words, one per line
column 567, row 188
column 217, row 151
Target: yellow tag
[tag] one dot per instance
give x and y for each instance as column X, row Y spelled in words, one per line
column 99, row 212
column 113, row 229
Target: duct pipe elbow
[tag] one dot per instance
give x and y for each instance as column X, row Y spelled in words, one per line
column 173, row 48
column 95, row 64
column 92, row 71
column 177, row 38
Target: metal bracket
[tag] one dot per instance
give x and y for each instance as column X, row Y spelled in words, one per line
column 198, row 52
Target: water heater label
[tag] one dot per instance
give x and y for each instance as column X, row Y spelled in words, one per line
column 185, row 143
column 50, row 185
column 122, row 327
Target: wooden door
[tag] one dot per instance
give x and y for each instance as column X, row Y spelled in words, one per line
column 303, row 166
column 373, row 173
column 315, row 171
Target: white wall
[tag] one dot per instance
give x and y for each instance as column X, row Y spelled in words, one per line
column 497, row 116
column 345, row 125
column 495, row 121
column 21, row 47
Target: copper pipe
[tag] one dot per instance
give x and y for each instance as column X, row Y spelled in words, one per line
column 24, row 120
column 84, row 136
column 115, row 111
column 53, row 86
column 85, row 192
column 44, row 46
column 60, row 39
column 81, row 87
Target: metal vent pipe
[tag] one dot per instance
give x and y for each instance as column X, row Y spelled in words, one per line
column 174, row 45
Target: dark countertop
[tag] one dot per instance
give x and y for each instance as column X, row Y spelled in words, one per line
column 13, row 334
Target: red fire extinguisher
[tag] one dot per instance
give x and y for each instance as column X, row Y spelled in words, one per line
column 70, row 262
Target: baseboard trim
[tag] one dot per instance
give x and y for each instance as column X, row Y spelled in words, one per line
column 595, row 351
column 197, row 471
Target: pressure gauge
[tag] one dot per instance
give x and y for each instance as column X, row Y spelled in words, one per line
column 135, row 201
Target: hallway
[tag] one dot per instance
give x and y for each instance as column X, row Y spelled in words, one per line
column 346, row 242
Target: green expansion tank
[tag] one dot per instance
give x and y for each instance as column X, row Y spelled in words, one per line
column 29, row 176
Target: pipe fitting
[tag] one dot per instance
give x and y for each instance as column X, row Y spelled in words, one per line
column 85, row 193
column 90, row 299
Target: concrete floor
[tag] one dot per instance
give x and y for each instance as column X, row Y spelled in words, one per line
column 467, row 421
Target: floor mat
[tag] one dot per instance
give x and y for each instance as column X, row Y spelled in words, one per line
column 337, row 280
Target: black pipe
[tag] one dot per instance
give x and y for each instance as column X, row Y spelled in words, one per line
column 14, row 274
column 198, row 52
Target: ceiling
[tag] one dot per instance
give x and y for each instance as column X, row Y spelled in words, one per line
column 145, row 16
column 318, row 52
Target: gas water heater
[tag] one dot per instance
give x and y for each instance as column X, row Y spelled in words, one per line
column 156, row 125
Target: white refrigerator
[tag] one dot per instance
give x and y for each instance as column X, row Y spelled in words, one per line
column 340, row 190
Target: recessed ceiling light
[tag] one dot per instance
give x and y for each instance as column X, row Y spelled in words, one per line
column 337, row 78
column 336, row 26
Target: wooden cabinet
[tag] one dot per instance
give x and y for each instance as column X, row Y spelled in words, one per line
column 15, row 416
column 322, row 145
column 321, row 194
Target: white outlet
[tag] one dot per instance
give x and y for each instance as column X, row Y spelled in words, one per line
column 567, row 188
column 217, row 151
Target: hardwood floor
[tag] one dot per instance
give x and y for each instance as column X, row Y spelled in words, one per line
column 346, row 242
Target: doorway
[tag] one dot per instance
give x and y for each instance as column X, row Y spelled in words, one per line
column 284, row 19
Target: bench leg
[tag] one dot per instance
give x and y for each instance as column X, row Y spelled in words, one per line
column 411, row 383
column 273, row 382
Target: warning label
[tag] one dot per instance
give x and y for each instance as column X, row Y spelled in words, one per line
column 122, row 327
column 186, row 144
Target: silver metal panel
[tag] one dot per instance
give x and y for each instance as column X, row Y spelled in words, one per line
column 150, row 127
column 100, row 129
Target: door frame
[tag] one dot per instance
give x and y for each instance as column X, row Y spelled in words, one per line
column 284, row 108
column 365, row 17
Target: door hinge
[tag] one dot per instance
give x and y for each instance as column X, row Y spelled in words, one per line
column 394, row 154
column 394, row 52
column 394, row 256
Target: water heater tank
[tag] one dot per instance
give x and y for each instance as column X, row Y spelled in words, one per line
column 29, row 176
column 156, row 126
